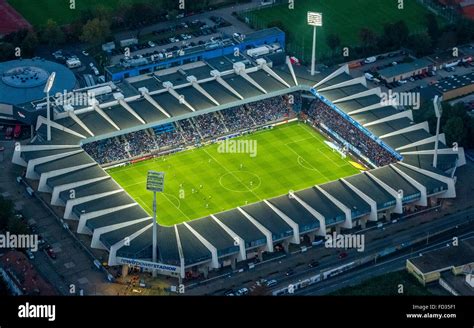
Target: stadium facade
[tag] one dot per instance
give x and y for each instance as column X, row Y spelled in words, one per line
column 116, row 223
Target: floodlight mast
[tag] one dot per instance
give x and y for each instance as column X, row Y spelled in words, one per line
column 438, row 112
column 155, row 183
column 47, row 89
column 315, row 20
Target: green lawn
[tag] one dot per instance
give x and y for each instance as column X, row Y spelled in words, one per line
column 289, row 157
column 386, row 285
column 342, row 17
column 37, row 12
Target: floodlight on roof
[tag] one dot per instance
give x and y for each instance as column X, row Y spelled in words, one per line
column 50, row 82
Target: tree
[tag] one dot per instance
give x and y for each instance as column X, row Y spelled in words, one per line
column 368, row 38
column 52, row 34
column 454, row 130
column 464, row 30
column 95, row 31
column 432, row 26
column 448, row 39
column 16, row 226
column 7, row 52
column 333, row 41
column 421, row 44
column 395, row 35
column 6, row 211
column 29, row 44
column 281, row 26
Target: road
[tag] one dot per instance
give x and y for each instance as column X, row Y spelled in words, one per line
column 355, row 277
column 376, row 240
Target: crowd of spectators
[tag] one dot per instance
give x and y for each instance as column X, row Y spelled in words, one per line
column 191, row 131
column 107, row 151
column 210, row 125
column 273, row 109
column 140, row 142
column 319, row 113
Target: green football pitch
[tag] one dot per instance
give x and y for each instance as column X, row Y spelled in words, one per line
column 208, row 180
column 344, row 18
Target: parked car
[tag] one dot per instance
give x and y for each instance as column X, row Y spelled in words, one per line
column 342, row 255
column 229, row 292
column 314, row 264
column 51, row 253
column 271, row 283
column 242, row 291
column 30, row 254
column 290, row 272
column 370, row 60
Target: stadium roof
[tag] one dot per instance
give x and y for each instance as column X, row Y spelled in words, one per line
column 218, row 237
column 318, row 201
column 390, row 177
column 349, row 198
column 296, row 212
column 262, row 213
column 107, row 212
column 194, row 250
column 239, row 224
column 369, row 187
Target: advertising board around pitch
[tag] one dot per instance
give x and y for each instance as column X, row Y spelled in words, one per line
column 155, row 181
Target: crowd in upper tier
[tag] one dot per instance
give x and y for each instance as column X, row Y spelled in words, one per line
column 320, row 113
column 192, row 131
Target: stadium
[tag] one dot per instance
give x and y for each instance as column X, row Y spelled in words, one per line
column 299, row 186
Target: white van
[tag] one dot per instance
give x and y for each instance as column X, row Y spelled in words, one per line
column 30, row 191
column 73, row 63
column 370, row 60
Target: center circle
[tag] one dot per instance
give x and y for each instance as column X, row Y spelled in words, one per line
column 240, row 181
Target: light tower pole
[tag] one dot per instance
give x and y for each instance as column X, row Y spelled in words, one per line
column 47, row 89
column 314, row 20
column 438, row 112
column 155, row 182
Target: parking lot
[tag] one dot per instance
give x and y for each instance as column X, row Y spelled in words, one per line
column 413, row 84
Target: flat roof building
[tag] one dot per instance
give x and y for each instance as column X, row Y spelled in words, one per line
column 405, row 70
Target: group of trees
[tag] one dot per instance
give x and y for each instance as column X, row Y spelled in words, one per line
column 397, row 35
column 95, row 24
column 393, row 36
column 456, row 123
column 91, row 30
column 8, row 221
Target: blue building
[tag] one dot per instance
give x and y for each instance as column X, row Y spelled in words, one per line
column 135, row 67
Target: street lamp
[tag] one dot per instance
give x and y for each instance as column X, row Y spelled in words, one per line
column 47, row 89
column 315, row 20
column 155, row 182
column 438, row 112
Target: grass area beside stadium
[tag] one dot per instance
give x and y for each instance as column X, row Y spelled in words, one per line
column 341, row 17
column 37, row 12
column 206, row 180
column 386, row 285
